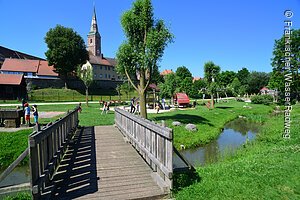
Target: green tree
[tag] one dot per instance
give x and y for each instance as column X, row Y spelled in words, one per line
column 226, row 77
column 278, row 60
column 66, row 50
column 139, row 54
column 168, row 87
column 211, row 72
column 235, row 86
column 183, row 72
column 257, row 80
column 243, row 76
column 85, row 73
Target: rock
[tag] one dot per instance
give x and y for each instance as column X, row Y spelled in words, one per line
column 176, row 123
column 191, row 127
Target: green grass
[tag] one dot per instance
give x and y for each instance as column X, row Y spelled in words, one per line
column 267, row 168
column 19, row 196
column 12, row 145
column 209, row 122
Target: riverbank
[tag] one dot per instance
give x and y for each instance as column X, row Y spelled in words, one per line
column 209, row 122
column 267, row 168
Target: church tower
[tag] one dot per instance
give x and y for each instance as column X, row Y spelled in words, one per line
column 94, row 38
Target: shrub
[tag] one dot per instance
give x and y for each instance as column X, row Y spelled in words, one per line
column 262, row 99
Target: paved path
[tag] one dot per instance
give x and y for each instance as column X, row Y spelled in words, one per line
column 101, row 165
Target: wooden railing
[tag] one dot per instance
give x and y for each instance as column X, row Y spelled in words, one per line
column 152, row 141
column 46, row 149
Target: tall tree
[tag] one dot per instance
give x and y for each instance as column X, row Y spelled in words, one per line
column 257, row 80
column 85, row 73
column 139, row 54
column 226, row 77
column 66, row 50
column 287, row 43
column 168, row 87
column 183, row 72
column 243, row 76
column 211, row 72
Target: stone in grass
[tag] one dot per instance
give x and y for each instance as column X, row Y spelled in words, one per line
column 176, row 123
column 191, row 127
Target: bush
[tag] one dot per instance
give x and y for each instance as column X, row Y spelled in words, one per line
column 262, row 99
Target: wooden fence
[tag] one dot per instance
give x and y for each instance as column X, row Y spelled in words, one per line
column 46, row 149
column 152, row 141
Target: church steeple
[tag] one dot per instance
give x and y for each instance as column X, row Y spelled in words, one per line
column 94, row 38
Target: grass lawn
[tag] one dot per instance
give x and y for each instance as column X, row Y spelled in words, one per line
column 267, row 168
column 12, row 145
column 209, row 122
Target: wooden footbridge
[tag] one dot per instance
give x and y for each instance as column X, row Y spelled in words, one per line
column 131, row 160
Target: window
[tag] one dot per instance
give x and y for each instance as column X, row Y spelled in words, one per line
column 109, row 76
column 105, row 75
column 91, row 41
column 100, row 75
column 108, row 68
column 101, row 67
column 113, row 76
column 95, row 76
column 118, row 77
column 105, row 67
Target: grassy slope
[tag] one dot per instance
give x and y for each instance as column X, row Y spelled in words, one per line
column 12, row 145
column 267, row 168
column 208, row 122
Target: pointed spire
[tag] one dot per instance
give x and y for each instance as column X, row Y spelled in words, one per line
column 94, row 26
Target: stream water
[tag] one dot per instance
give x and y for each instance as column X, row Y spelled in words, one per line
column 17, row 176
column 234, row 135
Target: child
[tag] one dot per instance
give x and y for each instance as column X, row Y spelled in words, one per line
column 104, row 107
column 35, row 114
column 27, row 113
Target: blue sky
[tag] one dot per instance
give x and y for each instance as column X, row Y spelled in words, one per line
column 233, row 33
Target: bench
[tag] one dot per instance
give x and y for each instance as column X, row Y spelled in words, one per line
column 11, row 118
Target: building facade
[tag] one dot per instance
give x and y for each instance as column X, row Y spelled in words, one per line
column 104, row 68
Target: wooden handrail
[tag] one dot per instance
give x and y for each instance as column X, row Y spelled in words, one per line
column 154, row 142
column 46, row 149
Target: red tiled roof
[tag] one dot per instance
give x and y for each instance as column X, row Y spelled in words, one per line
column 196, row 79
column 40, row 67
column 20, row 65
column 10, row 79
column 264, row 88
column 182, row 98
column 98, row 60
column 166, row 71
column 46, row 70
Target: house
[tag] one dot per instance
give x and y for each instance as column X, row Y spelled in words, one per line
column 104, row 72
column 36, row 69
column 12, row 86
column 37, row 73
column 196, row 79
column 265, row 90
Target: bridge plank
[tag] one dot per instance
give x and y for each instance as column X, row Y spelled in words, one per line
column 101, row 165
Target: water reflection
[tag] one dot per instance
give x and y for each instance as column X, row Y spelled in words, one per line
column 235, row 133
column 18, row 175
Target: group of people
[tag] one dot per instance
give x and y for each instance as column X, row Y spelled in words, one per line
column 27, row 111
column 134, row 105
column 105, row 108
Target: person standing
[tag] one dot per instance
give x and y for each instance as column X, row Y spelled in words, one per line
column 107, row 107
column 132, row 107
column 27, row 113
column 163, row 101
column 104, row 108
column 138, row 107
column 35, row 114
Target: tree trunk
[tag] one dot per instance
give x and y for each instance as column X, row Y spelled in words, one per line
column 65, row 80
column 142, row 95
column 87, row 96
column 212, row 101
